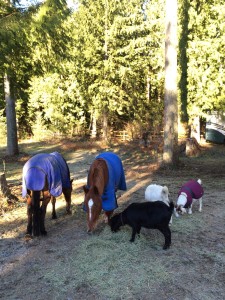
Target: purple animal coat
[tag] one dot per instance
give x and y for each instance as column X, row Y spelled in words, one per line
column 193, row 190
column 44, row 166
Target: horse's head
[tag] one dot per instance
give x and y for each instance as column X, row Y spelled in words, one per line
column 93, row 205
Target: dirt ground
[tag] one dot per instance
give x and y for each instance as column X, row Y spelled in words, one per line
column 47, row 267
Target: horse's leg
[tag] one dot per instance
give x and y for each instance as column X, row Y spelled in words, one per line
column 67, row 194
column 36, row 212
column 29, row 215
column 53, row 200
column 43, row 213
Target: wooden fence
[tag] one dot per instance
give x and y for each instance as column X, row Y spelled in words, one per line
column 121, row 135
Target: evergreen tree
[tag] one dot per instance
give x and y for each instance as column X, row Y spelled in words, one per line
column 202, row 48
column 207, row 45
column 54, row 98
column 115, row 59
column 14, row 61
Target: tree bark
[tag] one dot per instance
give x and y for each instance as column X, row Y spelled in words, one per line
column 170, row 151
column 5, row 192
column 105, row 126
column 12, row 140
column 94, row 126
column 195, row 129
column 192, row 147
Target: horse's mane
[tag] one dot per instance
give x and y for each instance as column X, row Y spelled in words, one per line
column 98, row 175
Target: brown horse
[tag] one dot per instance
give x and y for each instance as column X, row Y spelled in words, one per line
column 106, row 176
column 45, row 177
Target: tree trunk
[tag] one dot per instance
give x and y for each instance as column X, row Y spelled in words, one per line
column 170, row 151
column 192, row 147
column 183, row 60
column 94, row 126
column 105, row 126
column 148, row 88
column 195, row 128
column 12, row 140
column 5, row 192
column 105, row 110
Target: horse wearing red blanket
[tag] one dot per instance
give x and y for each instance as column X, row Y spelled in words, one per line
column 105, row 177
column 45, row 177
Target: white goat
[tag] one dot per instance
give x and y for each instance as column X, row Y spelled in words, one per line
column 188, row 194
column 155, row 192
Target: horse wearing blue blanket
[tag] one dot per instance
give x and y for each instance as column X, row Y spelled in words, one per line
column 45, row 177
column 105, row 177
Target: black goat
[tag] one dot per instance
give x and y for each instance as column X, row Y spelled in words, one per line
column 154, row 215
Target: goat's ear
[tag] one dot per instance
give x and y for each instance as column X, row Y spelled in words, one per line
column 85, row 188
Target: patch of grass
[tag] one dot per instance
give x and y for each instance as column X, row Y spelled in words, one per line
column 110, row 264
column 187, row 224
column 217, row 257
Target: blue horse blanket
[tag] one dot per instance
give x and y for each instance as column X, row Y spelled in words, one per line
column 116, row 180
column 44, row 166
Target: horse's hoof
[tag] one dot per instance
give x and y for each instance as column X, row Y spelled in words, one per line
column 36, row 233
column 69, row 212
column 44, row 232
column 54, row 217
column 28, row 236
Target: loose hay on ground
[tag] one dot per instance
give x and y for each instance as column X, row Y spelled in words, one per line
column 110, row 264
column 192, row 269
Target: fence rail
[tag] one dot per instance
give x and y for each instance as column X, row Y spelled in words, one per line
column 121, row 135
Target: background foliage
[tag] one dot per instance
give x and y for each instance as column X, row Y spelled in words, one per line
column 73, row 66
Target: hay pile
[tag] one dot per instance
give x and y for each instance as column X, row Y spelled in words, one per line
column 107, row 266
column 111, row 265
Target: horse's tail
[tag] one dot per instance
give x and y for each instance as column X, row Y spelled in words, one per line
column 36, row 213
